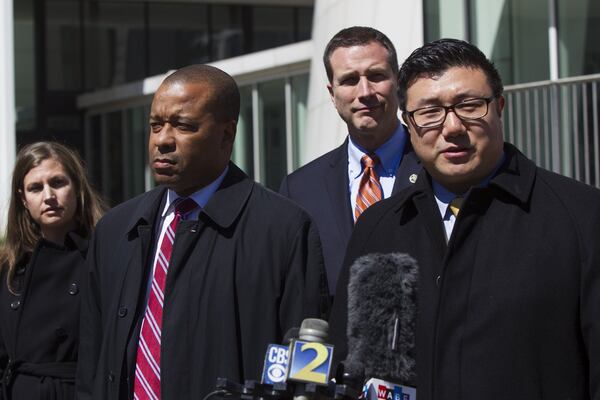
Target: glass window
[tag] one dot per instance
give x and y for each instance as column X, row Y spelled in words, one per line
column 93, row 150
column 112, row 152
column 243, row 150
column 136, row 151
column 115, row 46
column 512, row 33
column 177, row 36
column 227, row 32
column 304, row 27
column 24, row 53
column 272, row 27
column 63, row 46
column 299, row 110
column 116, row 152
column 578, row 32
column 272, row 132
column 445, row 19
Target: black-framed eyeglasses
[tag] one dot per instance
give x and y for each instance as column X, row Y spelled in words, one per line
column 434, row 116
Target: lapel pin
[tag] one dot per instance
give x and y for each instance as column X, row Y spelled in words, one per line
column 412, row 178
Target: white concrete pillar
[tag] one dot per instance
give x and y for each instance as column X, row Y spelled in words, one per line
column 7, row 107
column 400, row 20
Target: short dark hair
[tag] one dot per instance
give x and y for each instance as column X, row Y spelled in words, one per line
column 225, row 104
column 359, row 36
column 436, row 57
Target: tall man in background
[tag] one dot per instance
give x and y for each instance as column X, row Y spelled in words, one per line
column 192, row 280
column 375, row 161
column 508, row 256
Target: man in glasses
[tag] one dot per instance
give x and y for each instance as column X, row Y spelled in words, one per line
column 508, row 255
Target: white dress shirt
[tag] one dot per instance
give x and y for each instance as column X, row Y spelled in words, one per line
column 390, row 154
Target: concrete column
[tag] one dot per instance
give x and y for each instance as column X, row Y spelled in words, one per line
column 401, row 21
column 7, row 107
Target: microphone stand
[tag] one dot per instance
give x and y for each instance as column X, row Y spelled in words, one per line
column 254, row 390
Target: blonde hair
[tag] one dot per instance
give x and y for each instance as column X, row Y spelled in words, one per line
column 22, row 232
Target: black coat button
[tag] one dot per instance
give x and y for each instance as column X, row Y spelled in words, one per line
column 15, row 304
column 73, row 289
column 438, row 280
column 111, row 377
column 122, row 311
column 60, row 333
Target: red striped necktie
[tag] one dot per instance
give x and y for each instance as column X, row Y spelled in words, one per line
column 369, row 191
column 147, row 368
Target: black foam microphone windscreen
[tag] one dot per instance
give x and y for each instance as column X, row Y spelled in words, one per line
column 382, row 313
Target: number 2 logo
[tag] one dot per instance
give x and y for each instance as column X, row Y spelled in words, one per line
column 308, row 366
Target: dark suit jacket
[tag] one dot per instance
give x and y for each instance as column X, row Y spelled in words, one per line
column 321, row 187
column 509, row 308
column 239, row 277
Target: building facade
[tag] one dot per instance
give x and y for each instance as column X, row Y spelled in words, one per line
column 85, row 71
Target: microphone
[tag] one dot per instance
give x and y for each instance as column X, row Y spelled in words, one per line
column 276, row 359
column 313, row 330
column 290, row 335
column 296, row 370
column 382, row 313
column 310, row 358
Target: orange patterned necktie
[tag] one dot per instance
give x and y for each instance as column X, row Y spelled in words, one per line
column 369, row 191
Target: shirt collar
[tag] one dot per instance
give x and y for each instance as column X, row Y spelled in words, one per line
column 390, row 154
column 443, row 196
column 201, row 196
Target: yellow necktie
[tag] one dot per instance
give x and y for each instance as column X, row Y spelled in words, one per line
column 456, row 204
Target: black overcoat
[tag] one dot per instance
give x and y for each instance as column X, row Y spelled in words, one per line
column 509, row 308
column 250, row 268
column 39, row 326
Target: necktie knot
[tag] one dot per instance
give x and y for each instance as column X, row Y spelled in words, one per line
column 456, row 204
column 369, row 190
column 184, row 206
column 370, row 160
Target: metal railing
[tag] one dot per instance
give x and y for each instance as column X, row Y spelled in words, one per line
column 556, row 124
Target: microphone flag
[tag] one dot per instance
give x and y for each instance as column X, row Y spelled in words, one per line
column 309, row 362
column 275, row 366
column 378, row 389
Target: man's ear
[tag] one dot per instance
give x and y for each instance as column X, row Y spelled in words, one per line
column 405, row 118
column 501, row 101
column 330, row 90
column 229, row 131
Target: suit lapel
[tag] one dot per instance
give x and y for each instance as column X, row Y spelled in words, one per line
column 408, row 170
column 427, row 208
column 337, row 183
